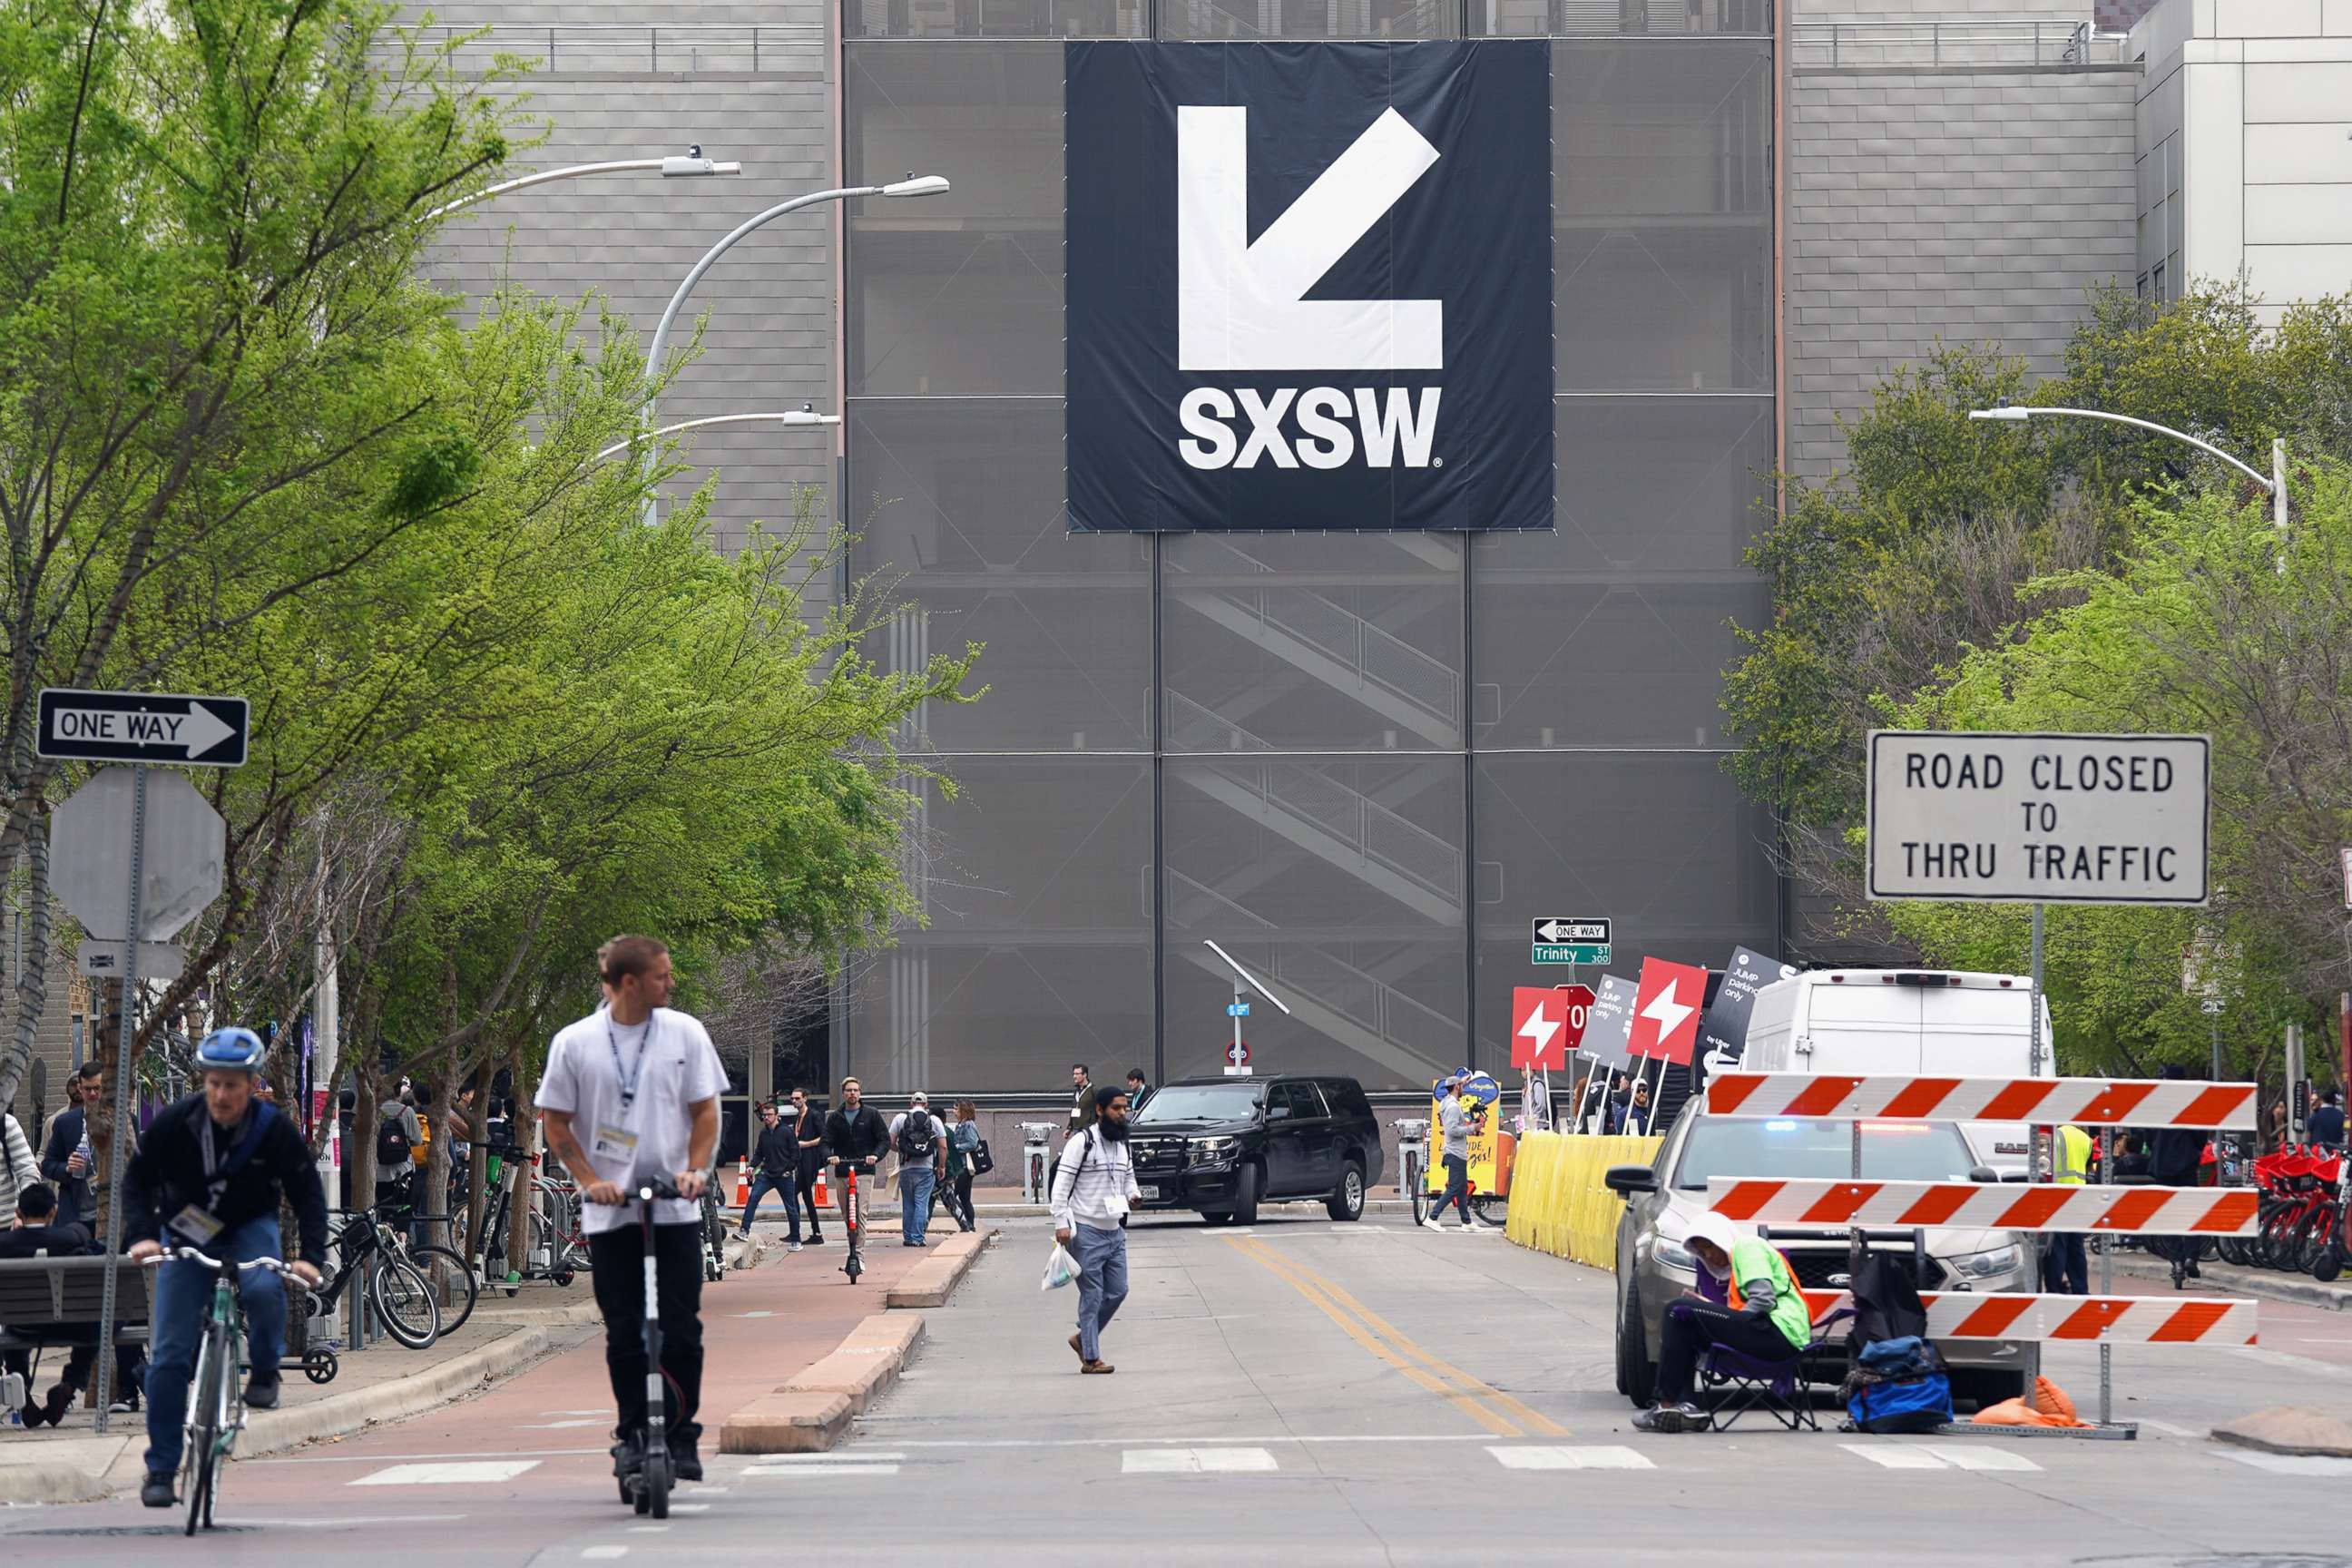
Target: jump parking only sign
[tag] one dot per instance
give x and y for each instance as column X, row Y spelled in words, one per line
column 2026, row 818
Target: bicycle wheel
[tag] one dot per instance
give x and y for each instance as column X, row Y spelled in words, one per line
column 1420, row 1185
column 454, row 1285
column 404, row 1300
column 201, row 1431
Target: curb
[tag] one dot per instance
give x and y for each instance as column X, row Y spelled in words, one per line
column 2267, row 1282
column 336, row 1415
column 809, row 1413
column 931, row 1282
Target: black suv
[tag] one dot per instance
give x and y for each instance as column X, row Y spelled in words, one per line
column 1223, row 1145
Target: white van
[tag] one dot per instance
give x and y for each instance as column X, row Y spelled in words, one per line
column 1905, row 1023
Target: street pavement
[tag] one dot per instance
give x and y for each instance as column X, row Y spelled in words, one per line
column 1300, row 1391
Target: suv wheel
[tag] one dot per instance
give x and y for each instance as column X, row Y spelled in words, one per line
column 1637, row 1375
column 1246, row 1183
column 1347, row 1201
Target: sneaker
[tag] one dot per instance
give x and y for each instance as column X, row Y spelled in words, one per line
column 685, row 1451
column 1098, row 1368
column 156, row 1492
column 742, row 1234
column 815, row 1240
column 261, row 1393
column 126, row 1402
column 791, row 1246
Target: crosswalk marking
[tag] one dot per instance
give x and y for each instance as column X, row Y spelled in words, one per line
column 851, row 1468
column 600, row 1554
column 2290, row 1464
column 459, row 1473
column 1194, row 1461
column 1940, row 1456
column 1559, row 1459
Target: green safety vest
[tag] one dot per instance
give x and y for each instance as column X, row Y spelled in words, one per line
column 1790, row 1315
column 2073, row 1149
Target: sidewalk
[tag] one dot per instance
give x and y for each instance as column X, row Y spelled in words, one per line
column 2138, row 1273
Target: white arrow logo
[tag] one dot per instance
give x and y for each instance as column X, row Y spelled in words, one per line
column 1539, row 1029
column 192, row 733
column 1242, row 305
column 1666, row 1012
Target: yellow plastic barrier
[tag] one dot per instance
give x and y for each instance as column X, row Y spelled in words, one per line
column 1558, row 1203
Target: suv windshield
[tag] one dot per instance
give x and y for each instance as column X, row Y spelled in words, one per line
column 1201, row 1102
column 1891, row 1151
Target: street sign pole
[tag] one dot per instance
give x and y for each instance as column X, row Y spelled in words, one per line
column 124, row 1033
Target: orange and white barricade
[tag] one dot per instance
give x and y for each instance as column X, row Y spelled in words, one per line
column 2159, row 1211
column 2044, row 1102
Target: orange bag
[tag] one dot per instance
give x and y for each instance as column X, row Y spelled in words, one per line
column 2050, row 1400
column 2050, row 1407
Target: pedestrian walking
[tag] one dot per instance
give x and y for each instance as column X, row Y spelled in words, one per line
column 2065, row 1262
column 1094, row 1187
column 808, row 1136
column 2173, row 1157
column 1454, row 1151
column 916, row 1138
column 1082, row 1100
column 963, row 1142
column 399, row 1135
column 1138, row 1089
column 775, row 1168
column 630, row 1093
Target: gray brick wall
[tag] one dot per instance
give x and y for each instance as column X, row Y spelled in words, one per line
column 625, row 88
column 1956, row 205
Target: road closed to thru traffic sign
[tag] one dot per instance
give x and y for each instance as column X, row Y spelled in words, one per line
column 2053, row 819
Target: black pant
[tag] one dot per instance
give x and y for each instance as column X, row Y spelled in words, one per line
column 960, row 1201
column 617, row 1263
column 1457, row 1188
column 808, row 1197
column 2065, row 1263
column 1708, row 1325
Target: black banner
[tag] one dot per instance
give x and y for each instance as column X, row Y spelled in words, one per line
column 1309, row 285
column 1723, row 1032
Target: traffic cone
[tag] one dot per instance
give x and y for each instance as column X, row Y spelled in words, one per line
column 742, row 1184
column 824, row 1201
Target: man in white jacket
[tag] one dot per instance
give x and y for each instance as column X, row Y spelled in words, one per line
column 1093, row 1186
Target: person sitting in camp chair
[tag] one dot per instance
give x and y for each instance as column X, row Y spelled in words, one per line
column 1763, row 1316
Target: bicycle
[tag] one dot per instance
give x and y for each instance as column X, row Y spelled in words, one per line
column 1412, row 1165
column 555, row 1245
column 216, row 1392
column 648, row 1489
column 402, row 1292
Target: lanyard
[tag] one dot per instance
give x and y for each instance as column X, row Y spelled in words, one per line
column 627, row 1076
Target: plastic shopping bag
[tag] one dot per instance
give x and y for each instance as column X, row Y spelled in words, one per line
column 1060, row 1268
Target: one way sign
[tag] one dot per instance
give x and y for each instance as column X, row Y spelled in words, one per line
column 142, row 727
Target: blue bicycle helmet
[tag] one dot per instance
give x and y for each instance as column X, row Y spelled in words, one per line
column 231, row 1048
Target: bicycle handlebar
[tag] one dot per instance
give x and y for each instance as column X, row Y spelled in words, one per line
column 218, row 1265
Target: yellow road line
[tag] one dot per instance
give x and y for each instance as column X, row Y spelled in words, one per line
column 1543, row 1424
column 1464, row 1393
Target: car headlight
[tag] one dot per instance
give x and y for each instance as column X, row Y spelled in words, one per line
column 1210, row 1151
column 1985, row 1265
column 1673, row 1254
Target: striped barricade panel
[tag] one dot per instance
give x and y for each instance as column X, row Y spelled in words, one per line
column 2118, row 1319
column 2131, row 1211
column 2085, row 1101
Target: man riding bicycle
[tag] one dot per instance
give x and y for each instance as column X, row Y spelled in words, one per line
column 208, row 1176
column 630, row 1093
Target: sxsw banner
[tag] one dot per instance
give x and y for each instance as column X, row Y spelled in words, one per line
column 1309, row 285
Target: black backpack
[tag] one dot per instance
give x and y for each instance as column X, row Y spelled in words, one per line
column 915, row 1136
column 392, row 1145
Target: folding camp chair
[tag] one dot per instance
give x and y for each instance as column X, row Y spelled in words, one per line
column 1737, row 1384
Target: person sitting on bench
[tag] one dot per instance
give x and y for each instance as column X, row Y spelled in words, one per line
column 1763, row 1316
column 38, row 1232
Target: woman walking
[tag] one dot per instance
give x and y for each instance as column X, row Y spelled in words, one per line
column 964, row 1138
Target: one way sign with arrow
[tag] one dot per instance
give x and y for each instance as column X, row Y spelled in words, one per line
column 142, row 727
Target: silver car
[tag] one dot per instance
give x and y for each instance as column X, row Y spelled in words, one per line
column 1663, row 1198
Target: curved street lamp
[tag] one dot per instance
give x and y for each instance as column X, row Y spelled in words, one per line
column 801, row 415
column 2275, row 483
column 692, row 166
column 912, row 185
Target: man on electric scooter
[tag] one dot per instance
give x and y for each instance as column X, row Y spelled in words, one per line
column 631, row 1092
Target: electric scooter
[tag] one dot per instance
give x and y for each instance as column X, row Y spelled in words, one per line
column 648, row 1489
column 853, row 1219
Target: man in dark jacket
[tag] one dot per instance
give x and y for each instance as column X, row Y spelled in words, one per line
column 209, row 1177
column 807, row 1125
column 2173, row 1155
column 858, row 1136
column 40, row 1232
column 775, row 1168
column 63, row 1159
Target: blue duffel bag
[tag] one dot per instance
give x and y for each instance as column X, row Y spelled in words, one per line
column 1904, row 1404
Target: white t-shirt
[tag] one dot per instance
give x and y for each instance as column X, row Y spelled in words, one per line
column 671, row 1064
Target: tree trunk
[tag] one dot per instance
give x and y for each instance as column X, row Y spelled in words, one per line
column 31, row 986
column 526, row 1136
column 361, row 1157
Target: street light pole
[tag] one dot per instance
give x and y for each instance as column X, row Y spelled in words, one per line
column 2274, row 481
column 801, row 415
column 693, row 165
column 912, row 185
